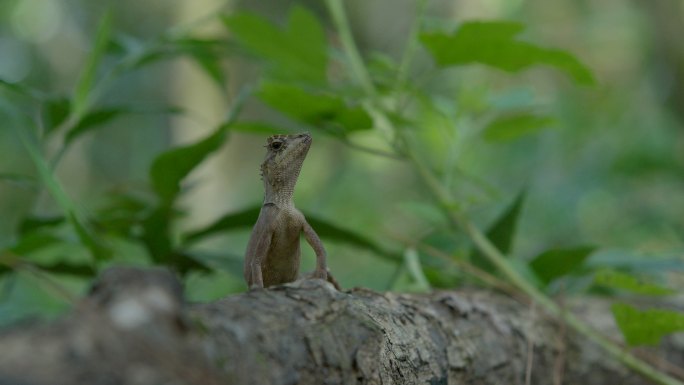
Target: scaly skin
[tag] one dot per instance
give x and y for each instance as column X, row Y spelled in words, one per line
column 273, row 251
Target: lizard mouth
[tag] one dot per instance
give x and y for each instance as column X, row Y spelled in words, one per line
column 306, row 137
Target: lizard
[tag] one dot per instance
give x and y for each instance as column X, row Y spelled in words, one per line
column 273, row 251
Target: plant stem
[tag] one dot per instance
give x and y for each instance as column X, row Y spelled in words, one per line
column 488, row 249
column 411, row 47
column 339, row 16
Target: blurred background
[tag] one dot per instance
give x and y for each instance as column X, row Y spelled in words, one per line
column 608, row 172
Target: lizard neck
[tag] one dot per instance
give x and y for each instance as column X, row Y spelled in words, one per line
column 281, row 196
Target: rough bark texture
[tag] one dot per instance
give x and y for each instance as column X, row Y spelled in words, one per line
column 134, row 329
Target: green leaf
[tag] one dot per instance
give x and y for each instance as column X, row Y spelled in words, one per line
column 55, row 112
column 101, row 116
column 184, row 263
column 207, row 53
column 23, row 89
column 60, row 267
column 556, row 263
column 156, row 237
column 494, row 43
column 156, row 233
column 646, row 327
column 525, row 271
column 122, row 212
column 211, row 65
column 331, row 231
column 23, row 181
column 66, row 268
column 92, row 120
column 240, row 219
column 501, row 233
column 513, row 126
column 624, row 281
column 80, row 101
column 297, row 52
column 315, row 108
column 326, row 230
column 171, row 167
column 30, row 224
column 34, row 241
column 617, row 259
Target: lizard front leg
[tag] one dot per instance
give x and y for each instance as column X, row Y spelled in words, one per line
column 257, row 251
column 316, row 244
column 256, row 280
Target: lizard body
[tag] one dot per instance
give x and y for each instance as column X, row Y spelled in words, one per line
column 273, row 252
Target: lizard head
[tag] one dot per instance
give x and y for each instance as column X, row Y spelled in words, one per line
column 284, row 157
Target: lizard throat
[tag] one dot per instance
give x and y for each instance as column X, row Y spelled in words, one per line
column 280, row 195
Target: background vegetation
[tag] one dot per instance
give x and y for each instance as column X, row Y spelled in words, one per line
column 133, row 133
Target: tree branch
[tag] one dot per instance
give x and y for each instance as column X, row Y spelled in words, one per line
column 134, row 329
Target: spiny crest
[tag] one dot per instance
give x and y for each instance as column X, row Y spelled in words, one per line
column 274, row 137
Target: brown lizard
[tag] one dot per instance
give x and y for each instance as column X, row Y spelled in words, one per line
column 273, row 250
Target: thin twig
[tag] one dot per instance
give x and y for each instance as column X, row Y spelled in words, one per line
column 559, row 364
column 473, row 270
column 411, row 47
column 17, row 263
column 53, row 286
column 372, row 151
column 530, row 346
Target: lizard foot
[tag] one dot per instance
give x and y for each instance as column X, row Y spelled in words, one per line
column 324, row 275
column 320, row 274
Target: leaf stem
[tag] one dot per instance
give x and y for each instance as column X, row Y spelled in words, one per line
column 411, row 47
column 339, row 16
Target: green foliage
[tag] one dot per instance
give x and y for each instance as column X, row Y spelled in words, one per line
column 80, row 225
column 55, row 113
column 86, row 82
column 627, row 282
column 208, row 53
column 297, row 52
column 646, row 327
column 100, row 116
column 513, row 126
column 329, row 89
column 556, row 263
column 228, row 222
column 315, row 108
column 494, row 43
column 501, row 233
column 171, row 167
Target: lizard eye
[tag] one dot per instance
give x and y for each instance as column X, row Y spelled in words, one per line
column 276, row 145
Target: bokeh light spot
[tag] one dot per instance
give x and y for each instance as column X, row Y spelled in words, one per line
column 37, row 20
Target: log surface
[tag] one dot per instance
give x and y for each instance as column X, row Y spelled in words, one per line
column 135, row 329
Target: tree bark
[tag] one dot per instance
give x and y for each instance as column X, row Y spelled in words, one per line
column 134, row 328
